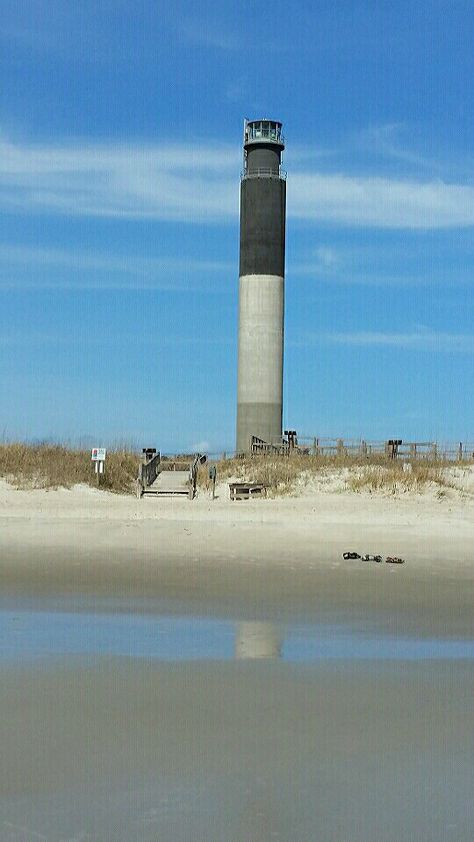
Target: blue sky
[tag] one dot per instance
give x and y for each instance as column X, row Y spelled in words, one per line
column 120, row 133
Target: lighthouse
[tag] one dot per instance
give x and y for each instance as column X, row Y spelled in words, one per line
column 261, row 284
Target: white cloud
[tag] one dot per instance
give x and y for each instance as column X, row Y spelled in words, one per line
column 327, row 257
column 198, row 183
column 194, row 183
column 421, row 339
column 385, row 140
column 23, row 267
column 206, row 32
column 200, row 447
column 199, row 32
column 18, row 338
column 405, row 145
column 401, row 262
column 380, row 202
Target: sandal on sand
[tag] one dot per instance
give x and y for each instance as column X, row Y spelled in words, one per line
column 378, row 558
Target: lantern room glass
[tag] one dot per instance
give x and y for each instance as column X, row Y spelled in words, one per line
column 263, row 130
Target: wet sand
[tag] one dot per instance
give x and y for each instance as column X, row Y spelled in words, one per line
column 99, row 747
column 405, row 601
column 238, row 752
column 257, row 556
column 200, row 576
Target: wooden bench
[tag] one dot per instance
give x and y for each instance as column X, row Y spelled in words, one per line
column 245, row 490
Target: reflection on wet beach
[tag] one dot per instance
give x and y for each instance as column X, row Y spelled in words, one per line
column 223, row 730
column 29, row 634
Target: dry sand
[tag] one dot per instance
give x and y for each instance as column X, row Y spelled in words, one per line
column 283, row 553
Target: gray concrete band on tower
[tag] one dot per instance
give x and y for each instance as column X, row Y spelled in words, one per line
column 261, row 285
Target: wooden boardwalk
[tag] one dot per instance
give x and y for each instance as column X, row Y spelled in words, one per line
column 168, row 477
column 170, row 482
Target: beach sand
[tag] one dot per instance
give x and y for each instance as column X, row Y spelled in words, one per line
column 258, row 555
column 97, row 746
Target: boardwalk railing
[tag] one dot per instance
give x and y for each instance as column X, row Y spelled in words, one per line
column 199, row 459
column 259, row 446
column 391, row 448
column 394, row 448
column 148, row 471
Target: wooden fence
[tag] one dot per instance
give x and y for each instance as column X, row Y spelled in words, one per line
column 395, row 448
column 363, row 448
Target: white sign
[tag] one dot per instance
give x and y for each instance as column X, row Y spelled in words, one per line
column 98, row 454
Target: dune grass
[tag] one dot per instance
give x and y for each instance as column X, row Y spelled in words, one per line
column 285, row 475
column 55, row 466
column 394, row 478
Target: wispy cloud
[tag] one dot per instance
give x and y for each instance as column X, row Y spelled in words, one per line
column 237, row 91
column 200, row 447
column 386, row 140
column 198, row 184
column 327, row 257
column 400, row 264
column 380, row 202
column 421, row 339
column 158, row 339
column 402, row 143
column 23, row 267
column 371, row 277
column 202, row 33
column 225, row 36
column 177, row 183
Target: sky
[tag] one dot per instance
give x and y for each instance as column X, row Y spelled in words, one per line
column 120, row 158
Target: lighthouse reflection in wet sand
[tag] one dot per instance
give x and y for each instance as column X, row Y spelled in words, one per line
column 261, row 285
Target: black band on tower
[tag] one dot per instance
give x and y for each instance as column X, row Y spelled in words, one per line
column 262, row 226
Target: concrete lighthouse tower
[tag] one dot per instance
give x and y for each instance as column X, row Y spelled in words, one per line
column 261, row 285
